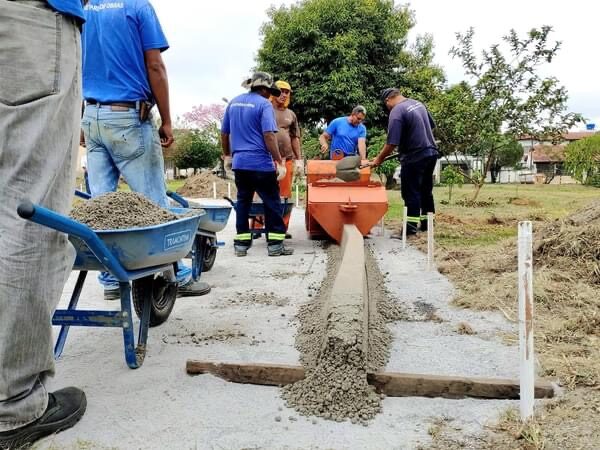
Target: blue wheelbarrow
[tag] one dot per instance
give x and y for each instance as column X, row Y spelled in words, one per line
column 143, row 260
column 213, row 221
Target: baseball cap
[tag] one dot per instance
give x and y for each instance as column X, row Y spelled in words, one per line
column 283, row 85
column 387, row 92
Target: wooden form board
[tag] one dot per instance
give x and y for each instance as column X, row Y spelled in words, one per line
column 391, row 384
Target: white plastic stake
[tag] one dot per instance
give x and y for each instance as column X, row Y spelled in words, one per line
column 297, row 197
column 404, row 225
column 430, row 246
column 526, row 320
column 382, row 226
column 214, row 189
column 229, row 190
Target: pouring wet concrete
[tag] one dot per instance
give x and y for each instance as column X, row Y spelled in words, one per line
column 159, row 406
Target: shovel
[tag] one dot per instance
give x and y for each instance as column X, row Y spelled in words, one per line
column 348, row 169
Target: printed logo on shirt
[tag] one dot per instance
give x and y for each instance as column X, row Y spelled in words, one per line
column 103, row 6
column 244, row 105
column 414, row 107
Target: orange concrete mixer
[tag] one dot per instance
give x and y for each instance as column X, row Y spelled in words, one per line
column 331, row 203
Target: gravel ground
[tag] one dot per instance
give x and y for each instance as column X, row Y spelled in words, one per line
column 159, row 406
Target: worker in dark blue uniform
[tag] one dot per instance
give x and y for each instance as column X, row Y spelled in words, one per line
column 410, row 130
column 250, row 149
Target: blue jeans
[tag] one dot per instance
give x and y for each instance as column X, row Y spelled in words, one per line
column 120, row 144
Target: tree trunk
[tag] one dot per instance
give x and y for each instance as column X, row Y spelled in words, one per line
column 480, row 183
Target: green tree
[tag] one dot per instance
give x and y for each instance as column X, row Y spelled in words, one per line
column 196, row 149
column 339, row 53
column 583, row 160
column 504, row 97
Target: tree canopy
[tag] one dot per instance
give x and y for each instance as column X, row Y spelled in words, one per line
column 340, row 53
column 503, row 97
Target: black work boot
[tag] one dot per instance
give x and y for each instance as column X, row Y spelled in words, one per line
column 240, row 250
column 278, row 249
column 65, row 408
column 423, row 226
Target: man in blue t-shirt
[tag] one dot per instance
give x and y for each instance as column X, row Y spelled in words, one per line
column 347, row 135
column 250, row 149
column 40, row 88
column 123, row 77
column 410, row 130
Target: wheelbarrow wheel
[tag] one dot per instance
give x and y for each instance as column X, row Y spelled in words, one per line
column 161, row 294
column 210, row 254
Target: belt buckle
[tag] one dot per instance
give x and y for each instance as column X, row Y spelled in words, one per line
column 119, row 108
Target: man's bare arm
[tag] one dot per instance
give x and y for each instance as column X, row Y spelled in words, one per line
column 225, row 144
column 324, row 141
column 159, row 84
column 296, row 148
column 387, row 150
column 272, row 146
column 362, row 148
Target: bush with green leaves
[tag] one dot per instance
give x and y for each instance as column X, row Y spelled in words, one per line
column 451, row 176
column 583, row 160
column 196, row 149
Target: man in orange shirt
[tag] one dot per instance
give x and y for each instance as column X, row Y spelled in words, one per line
column 288, row 138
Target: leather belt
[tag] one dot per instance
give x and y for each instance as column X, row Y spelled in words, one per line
column 121, row 104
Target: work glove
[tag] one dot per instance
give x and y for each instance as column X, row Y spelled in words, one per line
column 299, row 166
column 228, row 162
column 281, row 171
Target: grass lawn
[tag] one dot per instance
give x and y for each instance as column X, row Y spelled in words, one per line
column 502, row 207
column 476, row 249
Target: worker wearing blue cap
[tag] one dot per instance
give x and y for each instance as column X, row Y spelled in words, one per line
column 410, row 130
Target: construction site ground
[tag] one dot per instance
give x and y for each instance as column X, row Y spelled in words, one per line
column 249, row 317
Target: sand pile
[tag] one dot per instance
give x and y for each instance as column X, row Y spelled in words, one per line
column 118, row 210
column 201, row 186
column 335, row 385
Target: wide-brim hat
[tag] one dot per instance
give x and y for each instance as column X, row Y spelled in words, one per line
column 262, row 79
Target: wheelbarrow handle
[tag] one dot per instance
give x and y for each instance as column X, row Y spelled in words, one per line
column 230, row 201
column 50, row 219
column 179, row 199
column 82, row 194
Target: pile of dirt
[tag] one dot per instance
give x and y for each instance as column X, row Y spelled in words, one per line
column 335, row 386
column 576, row 238
column 566, row 286
column 201, row 186
column 118, row 210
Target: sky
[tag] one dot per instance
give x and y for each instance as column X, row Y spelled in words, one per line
column 214, row 43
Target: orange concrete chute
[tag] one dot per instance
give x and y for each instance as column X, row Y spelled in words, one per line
column 331, row 203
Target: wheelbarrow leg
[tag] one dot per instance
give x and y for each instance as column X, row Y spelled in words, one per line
column 64, row 330
column 134, row 356
column 198, row 256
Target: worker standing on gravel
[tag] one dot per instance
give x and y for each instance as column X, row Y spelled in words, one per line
column 250, row 148
column 40, row 88
column 410, row 130
column 123, row 77
column 288, row 141
column 347, row 134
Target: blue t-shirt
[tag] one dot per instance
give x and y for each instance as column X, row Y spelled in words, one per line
column 345, row 136
column 246, row 118
column 410, row 129
column 115, row 36
column 69, row 7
